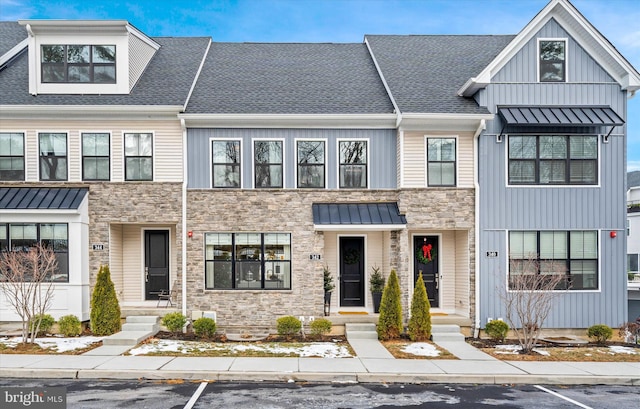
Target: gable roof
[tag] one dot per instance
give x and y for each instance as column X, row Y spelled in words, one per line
column 11, row 33
column 423, row 73
column 289, row 78
column 594, row 43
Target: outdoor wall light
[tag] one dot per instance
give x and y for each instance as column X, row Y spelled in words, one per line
column 613, row 234
column 190, row 234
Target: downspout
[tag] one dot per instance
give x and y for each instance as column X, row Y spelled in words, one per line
column 476, row 185
column 183, row 125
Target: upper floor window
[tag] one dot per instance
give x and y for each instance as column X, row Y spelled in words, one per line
column 268, row 164
column 441, row 161
column 353, row 164
column 138, row 156
column 311, row 164
column 553, row 159
column 553, row 61
column 53, row 156
column 95, row 156
column 79, row 63
column 632, row 263
column 11, row 156
column 225, row 163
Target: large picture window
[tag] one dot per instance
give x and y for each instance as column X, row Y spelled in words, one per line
column 572, row 254
column 53, row 156
column 553, row 159
column 268, row 164
column 258, row 261
column 353, row 164
column 441, row 161
column 78, row 63
column 225, row 163
column 138, row 156
column 24, row 236
column 553, row 61
column 311, row 164
column 95, row 156
column 11, row 156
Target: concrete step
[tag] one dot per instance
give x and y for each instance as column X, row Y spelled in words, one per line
column 134, row 326
column 143, row 319
column 447, row 337
column 127, row 338
column 360, row 326
column 361, row 335
column 360, row 331
column 448, row 328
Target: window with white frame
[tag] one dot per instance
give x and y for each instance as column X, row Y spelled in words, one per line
column 311, row 164
column 95, row 156
column 572, row 254
column 352, row 156
column 553, row 63
column 53, row 156
column 268, row 164
column 225, row 165
column 138, row 156
column 11, row 156
column 441, row 161
column 78, row 63
column 632, row 263
column 254, row 261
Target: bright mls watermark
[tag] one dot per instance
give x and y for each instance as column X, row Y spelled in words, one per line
column 34, row 398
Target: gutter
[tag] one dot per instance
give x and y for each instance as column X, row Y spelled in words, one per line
column 476, row 184
column 183, row 125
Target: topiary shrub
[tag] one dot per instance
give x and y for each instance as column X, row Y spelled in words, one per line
column 320, row 326
column 390, row 318
column 420, row 321
column 204, row 327
column 105, row 310
column 497, row 330
column 174, row 321
column 70, row 326
column 288, row 325
column 46, row 323
column 600, row 333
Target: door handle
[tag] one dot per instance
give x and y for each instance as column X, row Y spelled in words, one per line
column 437, row 277
column 146, row 274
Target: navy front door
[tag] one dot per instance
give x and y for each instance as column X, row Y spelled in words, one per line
column 425, row 258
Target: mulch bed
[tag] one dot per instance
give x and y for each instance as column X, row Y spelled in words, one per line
column 190, row 336
column 489, row 343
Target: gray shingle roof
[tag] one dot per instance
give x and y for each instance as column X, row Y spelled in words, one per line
column 246, row 78
column 11, row 33
column 424, row 73
column 166, row 81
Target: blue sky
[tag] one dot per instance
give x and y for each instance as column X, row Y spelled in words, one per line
column 345, row 21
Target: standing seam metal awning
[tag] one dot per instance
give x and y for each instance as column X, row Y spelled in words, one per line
column 560, row 116
column 35, row 198
column 358, row 216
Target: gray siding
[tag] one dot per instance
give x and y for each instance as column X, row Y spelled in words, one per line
column 382, row 153
column 600, row 207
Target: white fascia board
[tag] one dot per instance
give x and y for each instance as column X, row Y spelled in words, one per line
column 76, row 27
column 142, row 36
column 443, row 122
column 14, row 51
column 69, row 212
column 70, row 112
column 358, row 227
column 344, row 121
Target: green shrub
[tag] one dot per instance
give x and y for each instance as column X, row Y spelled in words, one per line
column 390, row 318
column 328, row 280
column 204, row 327
column 600, row 333
column 376, row 281
column 497, row 330
column 46, row 323
column 105, row 310
column 174, row 321
column 70, row 326
column 320, row 326
column 420, row 321
column 288, row 325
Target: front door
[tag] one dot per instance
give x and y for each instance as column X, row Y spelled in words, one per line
column 352, row 271
column 156, row 262
column 425, row 255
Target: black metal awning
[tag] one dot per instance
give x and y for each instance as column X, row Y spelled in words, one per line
column 358, row 216
column 38, row 198
column 580, row 116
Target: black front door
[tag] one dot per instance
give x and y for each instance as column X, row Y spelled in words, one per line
column 156, row 262
column 425, row 256
column 351, row 271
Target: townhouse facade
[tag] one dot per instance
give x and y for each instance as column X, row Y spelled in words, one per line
column 238, row 172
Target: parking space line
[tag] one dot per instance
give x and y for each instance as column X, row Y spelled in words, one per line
column 195, row 396
column 562, row 397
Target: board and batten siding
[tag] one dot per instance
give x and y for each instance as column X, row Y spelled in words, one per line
column 140, row 53
column 167, row 145
column 381, row 155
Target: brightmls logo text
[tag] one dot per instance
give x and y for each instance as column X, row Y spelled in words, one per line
column 34, row 398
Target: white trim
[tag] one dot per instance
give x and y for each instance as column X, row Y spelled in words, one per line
column 368, row 164
column 38, row 132
column 566, row 59
column 6, row 57
column 364, row 273
column 326, row 164
column 396, row 108
column 294, row 121
column 253, row 162
column 124, row 156
column 222, row 139
column 111, row 112
column 81, row 153
column 443, row 122
column 426, row 159
column 400, row 156
column 195, row 80
column 24, row 151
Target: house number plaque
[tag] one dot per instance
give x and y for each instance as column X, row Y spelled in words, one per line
column 315, row 257
column 98, row 247
column 492, row 254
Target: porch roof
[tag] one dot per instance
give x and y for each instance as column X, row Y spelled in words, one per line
column 358, row 216
column 38, row 198
column 560, row 116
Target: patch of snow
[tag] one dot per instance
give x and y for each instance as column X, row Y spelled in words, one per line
column 623, row 350
column 421, row 349
column 515, row 349
column 59, row 344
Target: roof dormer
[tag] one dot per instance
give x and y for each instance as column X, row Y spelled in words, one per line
column 86, row 57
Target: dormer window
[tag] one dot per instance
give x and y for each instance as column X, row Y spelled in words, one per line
column 553, row 62
column 79, row 64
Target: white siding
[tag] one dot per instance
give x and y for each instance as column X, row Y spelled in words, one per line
column 140, row 53
column 462, row 282
column 115, row 259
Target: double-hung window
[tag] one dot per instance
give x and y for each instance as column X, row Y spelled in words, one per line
column 78, row 64
column 571, row 254
column 95, row 156
column 225, row 166
column 53, row 156
column 441, row 161
column 258, row 261
column 353, row 160
column 553, row 63
column 138, row 156
column 311, row 164
column 632, row 263
column 11, row 156
column 553, row 159
column 268, row 164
